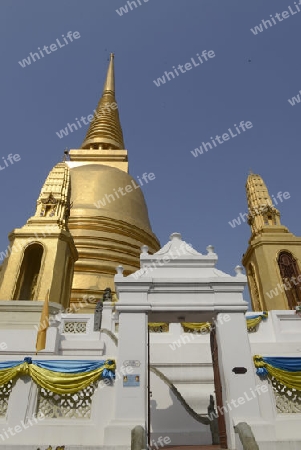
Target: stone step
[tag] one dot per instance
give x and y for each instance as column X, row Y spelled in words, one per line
column 194, row 447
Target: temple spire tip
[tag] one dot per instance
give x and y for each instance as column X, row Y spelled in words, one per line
column 110, row 79
column 105, row 130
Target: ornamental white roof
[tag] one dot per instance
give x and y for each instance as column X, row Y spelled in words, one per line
column 177, row 246
column 179, row 260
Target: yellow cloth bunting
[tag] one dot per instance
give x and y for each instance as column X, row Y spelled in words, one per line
column 58, row 382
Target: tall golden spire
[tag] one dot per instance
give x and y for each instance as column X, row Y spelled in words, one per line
column 262, row 212
column 105, row 130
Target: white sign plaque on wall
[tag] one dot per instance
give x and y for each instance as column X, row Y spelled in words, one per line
column 131, row 363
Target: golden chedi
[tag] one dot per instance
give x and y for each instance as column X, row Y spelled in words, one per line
column 272, row 260
column 101, row 229
column 108, row 231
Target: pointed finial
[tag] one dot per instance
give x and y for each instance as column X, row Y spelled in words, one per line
column 110, row 80
column 175, row 236
column 250, row 172
column 238, row 270
column 119, row 270
column 144, row 249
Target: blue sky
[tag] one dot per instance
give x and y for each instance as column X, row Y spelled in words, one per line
column 250, row 78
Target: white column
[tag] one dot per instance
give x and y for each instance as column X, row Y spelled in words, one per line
column 18, row 401
column 130, row 401
column 240, row 394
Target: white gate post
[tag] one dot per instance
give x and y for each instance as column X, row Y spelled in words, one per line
column 131, row 370
column 237, row 372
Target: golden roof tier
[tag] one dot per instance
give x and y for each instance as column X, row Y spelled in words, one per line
column 105, row 130
column 262, row 212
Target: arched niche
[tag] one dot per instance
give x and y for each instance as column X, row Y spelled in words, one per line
column 26, row 288
column 291, row 277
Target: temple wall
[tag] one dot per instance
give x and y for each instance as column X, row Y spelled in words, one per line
column 183, row 358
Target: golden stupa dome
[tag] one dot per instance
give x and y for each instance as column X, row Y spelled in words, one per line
column 108, row 231
column 99, row 190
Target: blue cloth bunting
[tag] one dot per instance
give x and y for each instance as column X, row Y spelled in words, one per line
column 63, row 366
column 284, row 363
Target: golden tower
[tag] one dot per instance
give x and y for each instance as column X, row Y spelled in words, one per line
column 42, row 253
column 108, row 227
column 98, row 215
column 272, row 260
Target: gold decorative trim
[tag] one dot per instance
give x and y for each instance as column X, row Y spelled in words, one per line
column 159, row 327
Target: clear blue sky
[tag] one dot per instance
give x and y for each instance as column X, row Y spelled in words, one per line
column 161, row 125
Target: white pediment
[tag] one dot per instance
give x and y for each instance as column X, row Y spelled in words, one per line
column 178, row 259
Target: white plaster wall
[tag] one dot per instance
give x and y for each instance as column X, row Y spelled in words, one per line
column 279, row 335
column 58, row 431
column 188, row 367
column 23, row 399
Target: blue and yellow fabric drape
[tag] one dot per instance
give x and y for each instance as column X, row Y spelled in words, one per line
column 59, row 376
column 253, row 321
column 286, row 370
column 204, row 327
